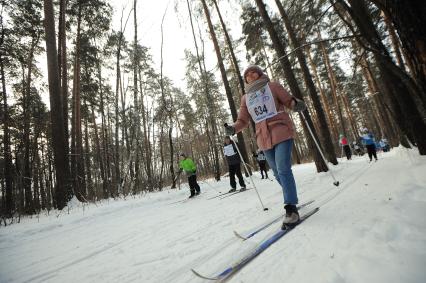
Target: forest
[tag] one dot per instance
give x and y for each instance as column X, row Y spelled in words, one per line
column 112, row 125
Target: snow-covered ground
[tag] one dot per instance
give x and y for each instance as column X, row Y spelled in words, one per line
column 371, row 228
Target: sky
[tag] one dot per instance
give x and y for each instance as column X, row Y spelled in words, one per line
column 177, row 32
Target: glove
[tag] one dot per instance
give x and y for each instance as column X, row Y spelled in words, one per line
column 299, row 105
column 229, row 130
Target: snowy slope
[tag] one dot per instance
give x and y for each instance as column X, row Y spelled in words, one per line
column 370, row 229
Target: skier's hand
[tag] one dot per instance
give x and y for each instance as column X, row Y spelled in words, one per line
column 229, row 130
column 299, row 105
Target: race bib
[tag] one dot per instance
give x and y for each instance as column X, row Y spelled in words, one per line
column 229, row 150
column 261, row 104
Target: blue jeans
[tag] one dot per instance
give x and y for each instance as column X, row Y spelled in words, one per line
column 279, row 159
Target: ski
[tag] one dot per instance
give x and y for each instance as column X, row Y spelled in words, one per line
column 239, row 264
column 219, row 195
column 234, row 193
column 185, row 199
column 268, row 223
column 228, row 193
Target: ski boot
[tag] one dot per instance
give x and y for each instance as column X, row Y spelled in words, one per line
column 291, row 217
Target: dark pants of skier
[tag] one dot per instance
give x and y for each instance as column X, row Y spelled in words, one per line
column 371, row 150
column 348, row 152
column 236, row 170
column 193, row 185
column 262, row 166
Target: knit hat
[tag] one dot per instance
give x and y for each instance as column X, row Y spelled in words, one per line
column 254, row 68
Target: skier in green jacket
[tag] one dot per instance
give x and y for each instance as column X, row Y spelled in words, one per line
column 186, row 164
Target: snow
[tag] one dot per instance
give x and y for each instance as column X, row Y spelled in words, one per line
column 369, row 229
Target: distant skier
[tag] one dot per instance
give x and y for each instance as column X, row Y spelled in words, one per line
column 234, row 164
column 357, row 148
column 261, row 161
column 186, row 164
column 346, row 148
column 384, row 144
column 265, row 103
column 367, row 139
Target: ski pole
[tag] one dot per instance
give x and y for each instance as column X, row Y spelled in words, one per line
column 336, row 183
column 245, row 166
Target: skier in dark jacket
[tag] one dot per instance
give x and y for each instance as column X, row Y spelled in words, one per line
column 368, row 140
column 234, row 164
column 261, row 161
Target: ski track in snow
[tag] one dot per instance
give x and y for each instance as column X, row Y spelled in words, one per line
column 369, row 229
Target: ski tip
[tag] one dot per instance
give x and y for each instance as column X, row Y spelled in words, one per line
column 239, row 236
column 202, row 276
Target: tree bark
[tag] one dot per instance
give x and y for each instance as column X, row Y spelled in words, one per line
column 323, row 96
column 57, row 118
column 77, row 144
column 63, row 73
column 6, row 138
column 333, row 85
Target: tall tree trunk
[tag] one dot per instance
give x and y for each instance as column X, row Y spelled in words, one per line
column 231, row 50
column 323, row 96
column 78, row 167
column 136, row 123
column 233, row 57
column 63, row 73
column 241, row 142
column 99, row 155
column 117, row 178
column 333, row 85
column 207, row 93
column 146, row 142
column 87, row 154
column 103, row 156
column 56, row 112
column 167, row 108
column 26, row 134
column 6, row 139
column 292, row 82
column 394, row 41
column 43, row 178
column 323, row 127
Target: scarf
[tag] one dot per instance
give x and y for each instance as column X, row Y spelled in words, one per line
column 257, row 84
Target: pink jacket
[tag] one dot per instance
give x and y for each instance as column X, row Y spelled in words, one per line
column 272, row 131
